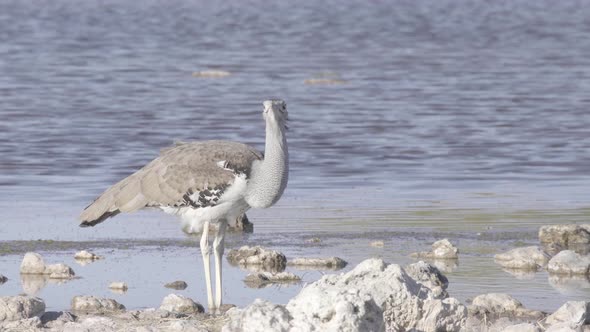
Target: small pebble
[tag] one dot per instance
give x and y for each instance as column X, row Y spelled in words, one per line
column 86, row 255
column 178, row 284
column 330, row 262
column 319, row 81
column 118, row 285
column 378, row 244
column 211, row 73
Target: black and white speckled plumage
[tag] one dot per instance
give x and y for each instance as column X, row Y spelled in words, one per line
column 177, row 174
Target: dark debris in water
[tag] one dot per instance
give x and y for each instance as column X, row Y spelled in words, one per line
column 322, row 239
column 17, row 247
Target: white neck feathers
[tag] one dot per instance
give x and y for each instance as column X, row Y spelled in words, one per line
column 268, row 178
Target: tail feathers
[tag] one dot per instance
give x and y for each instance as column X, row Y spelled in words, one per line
column 125, row 196
column 100, row 219
column 101, row 209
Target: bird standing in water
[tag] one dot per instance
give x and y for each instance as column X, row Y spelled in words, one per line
column 208, row 183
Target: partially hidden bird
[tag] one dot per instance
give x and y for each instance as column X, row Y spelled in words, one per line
column 207, row 184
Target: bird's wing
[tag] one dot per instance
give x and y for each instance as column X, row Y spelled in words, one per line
column 174, row 177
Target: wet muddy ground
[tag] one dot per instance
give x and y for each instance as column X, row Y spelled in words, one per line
column 147, row 250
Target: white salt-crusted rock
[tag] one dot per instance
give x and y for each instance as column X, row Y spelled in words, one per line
column 355, row 301
column 526, row 258
column 95, row 304
column 562, row 327
column 118, row 285
column 522, row 327
column 258, row 316
column 27, row 324
column 573, row 313
column 267, row 259
column 429, row 276
column 150, row 314
column 496, row 303
column 328, row 263
column 149, row 329
column 32, row 263
column 179, row 303
column 569, row 262
column 86, row 255
column 13, row 308
column 440, row 315
column 565, row 235
column 59, row 271
column 501, row 304
column 183, row 326
column 93, row 323
column 441, row 249
column 495, row 323
column 444, row 249
column 56, row 320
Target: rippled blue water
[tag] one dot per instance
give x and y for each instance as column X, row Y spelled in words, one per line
column 438, row 105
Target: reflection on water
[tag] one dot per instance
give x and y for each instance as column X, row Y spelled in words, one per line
column 32, row 284
column 315, row 268
column 118, row 290
column 254, row 268
column 520, row 274
column 570, row 284
column 257, row 280
column 446, row 265
column 84, row 262
column 257, row 284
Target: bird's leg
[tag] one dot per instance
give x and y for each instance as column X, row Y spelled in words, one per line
column 218, row 248
column 205, row 251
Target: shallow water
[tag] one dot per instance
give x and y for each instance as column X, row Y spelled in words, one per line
column 455, row 119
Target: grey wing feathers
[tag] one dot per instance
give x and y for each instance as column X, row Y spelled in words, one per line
column 169, row 179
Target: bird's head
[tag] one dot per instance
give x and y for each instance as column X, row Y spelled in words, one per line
column 275, row 110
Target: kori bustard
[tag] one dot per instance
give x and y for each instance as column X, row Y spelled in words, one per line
column 207, row 183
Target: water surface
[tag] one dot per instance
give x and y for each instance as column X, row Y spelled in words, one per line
column 459, row 119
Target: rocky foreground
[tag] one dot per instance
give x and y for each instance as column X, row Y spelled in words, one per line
column 373, row 296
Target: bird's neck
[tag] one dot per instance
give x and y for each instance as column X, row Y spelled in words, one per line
column 275, row 148
column 269, row 176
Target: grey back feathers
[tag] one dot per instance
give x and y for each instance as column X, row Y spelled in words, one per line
column 173, row 177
